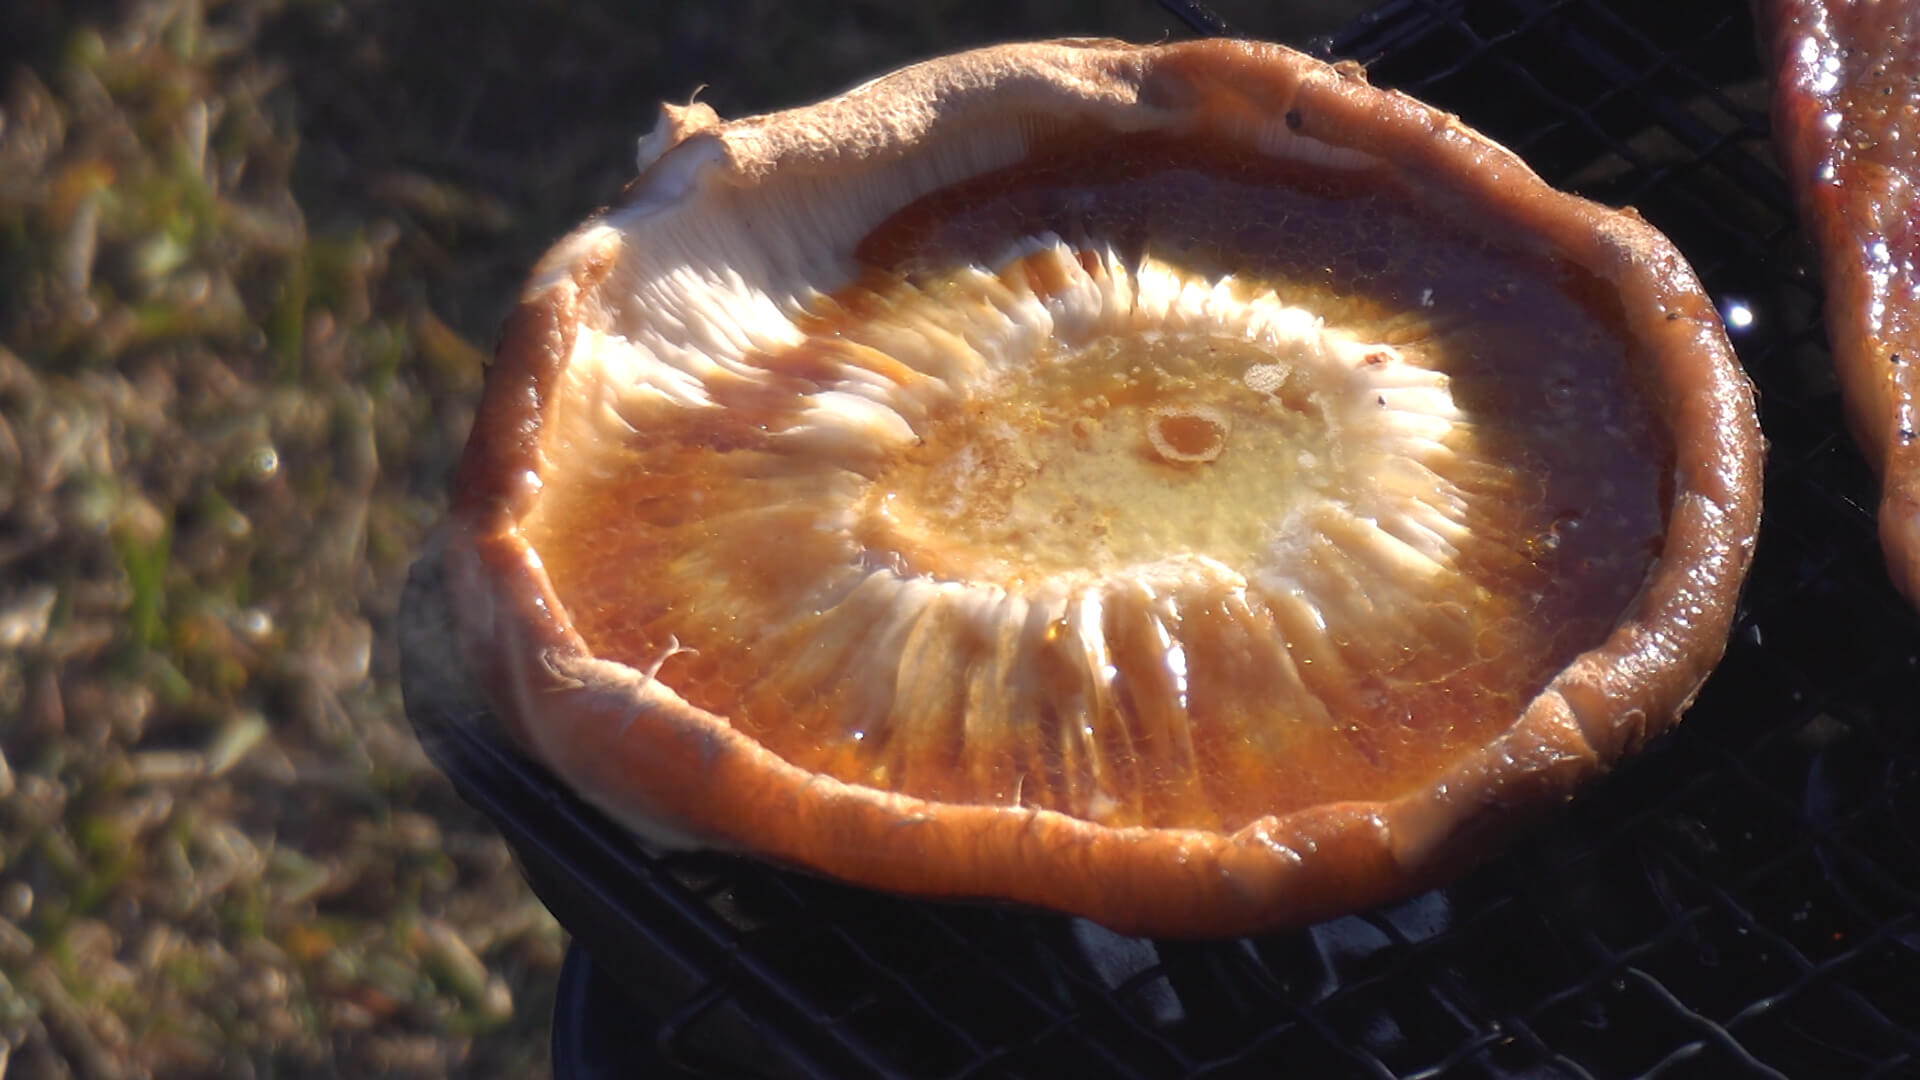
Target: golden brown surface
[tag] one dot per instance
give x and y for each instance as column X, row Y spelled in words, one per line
column 1249, row 844
column 1847, row 126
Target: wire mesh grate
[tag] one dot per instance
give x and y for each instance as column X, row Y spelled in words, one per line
column 1739, row 901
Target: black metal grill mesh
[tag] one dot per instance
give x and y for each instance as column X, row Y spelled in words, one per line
column 1741, row 900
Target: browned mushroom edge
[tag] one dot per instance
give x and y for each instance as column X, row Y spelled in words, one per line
column 682, row 779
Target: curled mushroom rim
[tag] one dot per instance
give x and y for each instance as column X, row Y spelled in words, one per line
column 681, row 779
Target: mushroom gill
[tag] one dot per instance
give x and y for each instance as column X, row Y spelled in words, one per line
column 1179, row 485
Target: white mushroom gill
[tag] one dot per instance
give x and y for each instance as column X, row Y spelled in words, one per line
column 941, row 545
column 1109, row 477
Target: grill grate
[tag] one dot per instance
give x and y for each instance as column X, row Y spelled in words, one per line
column 1741, row 900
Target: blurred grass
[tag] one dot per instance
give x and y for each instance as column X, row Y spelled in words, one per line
column 252, row 253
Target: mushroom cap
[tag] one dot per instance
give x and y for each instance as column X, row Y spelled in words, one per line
column 907, row 301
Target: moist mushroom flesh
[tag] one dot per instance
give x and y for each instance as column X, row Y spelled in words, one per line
column 1062, row 435
column 1843, row 97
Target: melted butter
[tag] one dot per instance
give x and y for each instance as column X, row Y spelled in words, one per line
column 1123, row 453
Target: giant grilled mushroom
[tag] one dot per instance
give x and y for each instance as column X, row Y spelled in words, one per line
column 1182, row 486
